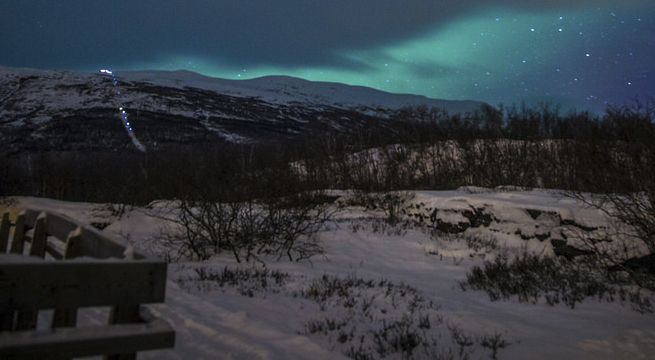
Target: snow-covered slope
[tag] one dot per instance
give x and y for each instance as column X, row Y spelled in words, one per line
column 225, row 322
column 41, row 109
column 288, row 90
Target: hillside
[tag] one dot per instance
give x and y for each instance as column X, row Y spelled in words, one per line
column 60, row 110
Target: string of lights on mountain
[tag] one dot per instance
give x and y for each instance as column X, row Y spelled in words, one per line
column 122, row 112
column 580, row 54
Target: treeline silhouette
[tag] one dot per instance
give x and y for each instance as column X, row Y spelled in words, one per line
column 417, row 148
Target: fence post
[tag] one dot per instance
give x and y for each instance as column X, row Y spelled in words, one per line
column 18, row 242
column 6, row 318
column 26, row 320
column 73, row 240
column 67, row 317
column 40, row 236
column 123, row 315
column 5, row 224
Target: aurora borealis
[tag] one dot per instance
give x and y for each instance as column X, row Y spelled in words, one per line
column 580, row 54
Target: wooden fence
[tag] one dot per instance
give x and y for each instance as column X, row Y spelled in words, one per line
column 50, row 266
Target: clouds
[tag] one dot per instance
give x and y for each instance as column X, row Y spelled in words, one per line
column 455, row 49
column 239, row 33
column 243, row 33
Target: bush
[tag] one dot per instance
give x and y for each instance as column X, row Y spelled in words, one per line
column 620, row 173
column 393, row 203
column 246, row 281
column 374, row 319
column 369, row 319
column 250, row 228
column 530, row 278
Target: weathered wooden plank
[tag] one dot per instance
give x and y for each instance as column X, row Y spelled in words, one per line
column 53, row 251
column 34, row 284
column 67, row 317
column 123, row 315
column 29, row 284
column 40, row 236
column 18, row 242
column 102, row 246
column 26, row 318
column 59, row 225
column 86, row 341
column 6, row 321
column 73, row 241
column 128, row 356
column 64, row 318
column 5, row 225
column 94, row 243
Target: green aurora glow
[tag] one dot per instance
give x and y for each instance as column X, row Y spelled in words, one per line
column 492, row 56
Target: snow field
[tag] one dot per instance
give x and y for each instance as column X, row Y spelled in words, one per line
column 375, row 280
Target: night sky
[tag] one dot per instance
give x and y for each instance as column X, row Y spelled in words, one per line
column 582, row 54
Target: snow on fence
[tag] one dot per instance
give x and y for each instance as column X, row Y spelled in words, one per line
column 50, row 263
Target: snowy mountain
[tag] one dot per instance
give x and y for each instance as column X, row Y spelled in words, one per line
column 62, row 110
column 285, row 90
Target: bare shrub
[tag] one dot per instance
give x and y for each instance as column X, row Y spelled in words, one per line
column 494, row 343
column 371, row 319
column 620, row 173
column 461, row 339
column 249, row 228
column 531, row 278
column 393, row 203
column 247, row 281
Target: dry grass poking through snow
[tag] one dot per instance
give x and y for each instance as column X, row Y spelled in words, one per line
column 361, row 318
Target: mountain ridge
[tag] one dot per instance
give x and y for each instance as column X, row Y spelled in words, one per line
column 270, row 82
column 55, row 110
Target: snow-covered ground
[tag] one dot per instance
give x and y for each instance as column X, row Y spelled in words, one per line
column 282, row 319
